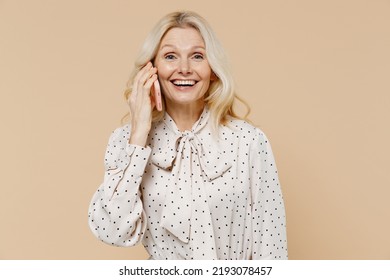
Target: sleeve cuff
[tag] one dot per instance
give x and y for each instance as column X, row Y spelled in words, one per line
column 139, row 157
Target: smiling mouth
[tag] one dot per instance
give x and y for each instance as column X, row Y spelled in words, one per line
column 184, row 83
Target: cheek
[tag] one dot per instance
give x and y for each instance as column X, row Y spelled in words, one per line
column 205, row 72
column 164, row 71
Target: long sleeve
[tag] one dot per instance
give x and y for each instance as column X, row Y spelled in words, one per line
column 269, row 239
column 188, row 190
column 116, row 214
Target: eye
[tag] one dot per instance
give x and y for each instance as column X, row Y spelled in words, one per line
column 198, row 56
column 169, row 57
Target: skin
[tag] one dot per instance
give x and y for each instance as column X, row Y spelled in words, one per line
column 181, row 58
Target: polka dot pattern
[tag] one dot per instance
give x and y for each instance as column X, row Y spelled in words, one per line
column 192, row 195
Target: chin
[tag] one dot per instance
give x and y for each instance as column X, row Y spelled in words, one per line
column 184, row 100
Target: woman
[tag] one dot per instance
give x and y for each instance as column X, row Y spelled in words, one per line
column 187, row 177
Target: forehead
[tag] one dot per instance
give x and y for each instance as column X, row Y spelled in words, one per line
column 182, row 37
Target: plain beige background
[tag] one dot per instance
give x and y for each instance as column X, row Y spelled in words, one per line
column 316, row 74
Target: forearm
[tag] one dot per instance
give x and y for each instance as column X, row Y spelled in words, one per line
column 116, row 210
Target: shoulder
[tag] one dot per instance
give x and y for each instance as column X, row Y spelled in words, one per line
column 120, row 132
column 246, row 131
column 119, row 137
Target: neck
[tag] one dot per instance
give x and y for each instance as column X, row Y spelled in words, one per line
column 185, row 116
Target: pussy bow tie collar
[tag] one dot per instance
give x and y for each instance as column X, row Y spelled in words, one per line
column 192, row 161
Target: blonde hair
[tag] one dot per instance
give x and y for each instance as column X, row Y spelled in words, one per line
column 221, row 94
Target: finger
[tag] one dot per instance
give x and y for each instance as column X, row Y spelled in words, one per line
column 137, row 78
column 146, row 98
column 142, row 72
column 152, row 101
column 147, row 74
column 145, row 78
column 157, row 95
column 148, row 85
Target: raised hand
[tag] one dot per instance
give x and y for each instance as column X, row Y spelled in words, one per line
column 145, row 96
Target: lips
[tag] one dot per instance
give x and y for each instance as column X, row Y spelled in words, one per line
column 184, row 83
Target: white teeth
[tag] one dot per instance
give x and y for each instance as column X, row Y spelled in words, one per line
column 184, row 83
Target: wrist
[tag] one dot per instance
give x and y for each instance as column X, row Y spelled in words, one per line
column 138, row 138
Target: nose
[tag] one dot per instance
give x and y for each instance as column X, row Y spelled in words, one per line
column 184, row 67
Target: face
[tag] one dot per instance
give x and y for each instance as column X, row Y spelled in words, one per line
column 183, row 70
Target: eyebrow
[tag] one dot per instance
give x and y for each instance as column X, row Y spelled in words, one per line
column 174, row 47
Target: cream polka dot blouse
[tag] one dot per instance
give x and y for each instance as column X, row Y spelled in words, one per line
column 192, row 195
